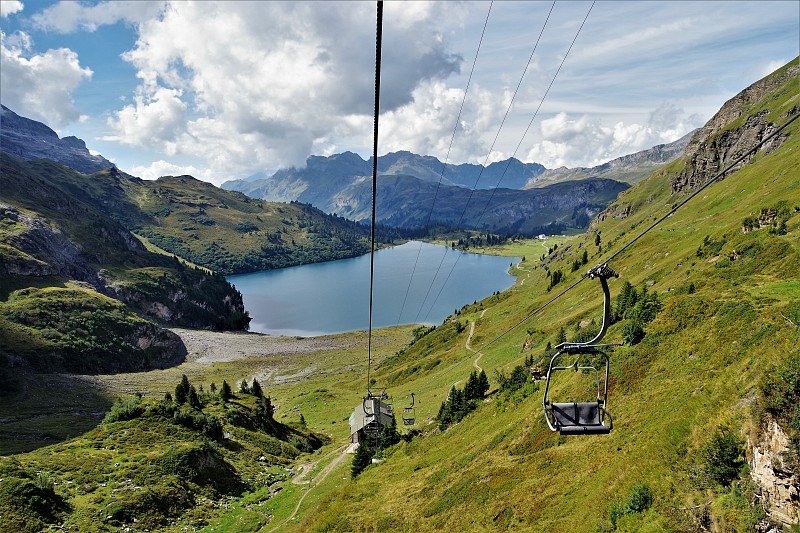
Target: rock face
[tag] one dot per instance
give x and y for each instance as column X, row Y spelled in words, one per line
column 725, row 137
column 29, row 140
column 772, row 472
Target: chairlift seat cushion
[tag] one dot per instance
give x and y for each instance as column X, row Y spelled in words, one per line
column 578, row 418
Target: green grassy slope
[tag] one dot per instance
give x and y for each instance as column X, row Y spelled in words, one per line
column 153, row 464
column 231, row 233
column 729, row 298
column 58, row 226
column 224, row 231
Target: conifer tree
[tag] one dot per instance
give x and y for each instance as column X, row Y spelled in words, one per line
column 225, row 392
column 390, row 434
column 193, row 399
column 362, row 458
column 471, row 387
column 562, row 336
column 264, row 412
column 256, row 389
column 483, row 384
column 182, row 390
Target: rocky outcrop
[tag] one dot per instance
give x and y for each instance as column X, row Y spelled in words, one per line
column 30, row 140
column 777, row 479
column 37, row 249
column 727, row 136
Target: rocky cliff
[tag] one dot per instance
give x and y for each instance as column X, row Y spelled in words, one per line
column 30, row 140
column 737, row 127
column 774, row 471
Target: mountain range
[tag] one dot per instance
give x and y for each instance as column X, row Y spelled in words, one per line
column 414, row 191
column 629, row 169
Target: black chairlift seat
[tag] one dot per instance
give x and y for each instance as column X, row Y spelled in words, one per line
column 580, row 418
column 583, row 418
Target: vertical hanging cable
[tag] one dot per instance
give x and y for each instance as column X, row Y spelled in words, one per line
column 378, row 40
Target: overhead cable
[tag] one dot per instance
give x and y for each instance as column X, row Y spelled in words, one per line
column 378, row 42
column 446, row 159
column 489, row 153
column 508, row 164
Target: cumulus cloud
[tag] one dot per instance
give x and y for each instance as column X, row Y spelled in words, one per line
column 425, row 126
column 259, row 85
column 9, row 7
column 40, row 86
column 587, row 141
column 159, row 168
column 71, row 16
column 157, row 118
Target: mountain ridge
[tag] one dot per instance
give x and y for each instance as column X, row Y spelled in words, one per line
column 340, row 183
column 29, row 140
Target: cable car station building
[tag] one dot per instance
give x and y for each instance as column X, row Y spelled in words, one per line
column 369, row 417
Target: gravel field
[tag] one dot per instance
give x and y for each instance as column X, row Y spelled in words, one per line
column 206, row 347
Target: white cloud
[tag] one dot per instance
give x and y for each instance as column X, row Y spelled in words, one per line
column 587, row 141
column 40, row 86
column 258, row 85
column 156, row 119
column 9, row 7
column 159, row 168
column 70, row 16
column 425, row 126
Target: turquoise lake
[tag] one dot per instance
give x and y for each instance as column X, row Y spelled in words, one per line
column 333, row 297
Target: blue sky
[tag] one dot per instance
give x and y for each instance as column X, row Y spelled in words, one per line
column 226, row 90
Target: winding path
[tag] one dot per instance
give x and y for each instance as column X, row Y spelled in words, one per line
column 468, row 347
column 305, row 469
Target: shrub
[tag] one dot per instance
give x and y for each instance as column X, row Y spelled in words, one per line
column 780, row 391
column 122, row 410
column 723, row 456
column 639, row 499
column 633, row 332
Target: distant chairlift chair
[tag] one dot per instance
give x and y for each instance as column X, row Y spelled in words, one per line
column 409, row 415
column 583, row 418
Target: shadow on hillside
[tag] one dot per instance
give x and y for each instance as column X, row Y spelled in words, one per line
column 38, row 410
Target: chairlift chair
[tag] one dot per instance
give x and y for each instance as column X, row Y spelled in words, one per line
column 374, row 407
column 583, row 418
column 409, row 414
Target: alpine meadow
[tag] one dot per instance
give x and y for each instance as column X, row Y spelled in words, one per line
column 642, row 374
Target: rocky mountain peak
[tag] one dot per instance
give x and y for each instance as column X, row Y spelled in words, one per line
column 30, row 140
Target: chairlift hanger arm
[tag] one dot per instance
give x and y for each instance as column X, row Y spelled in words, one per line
column 603, row 272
